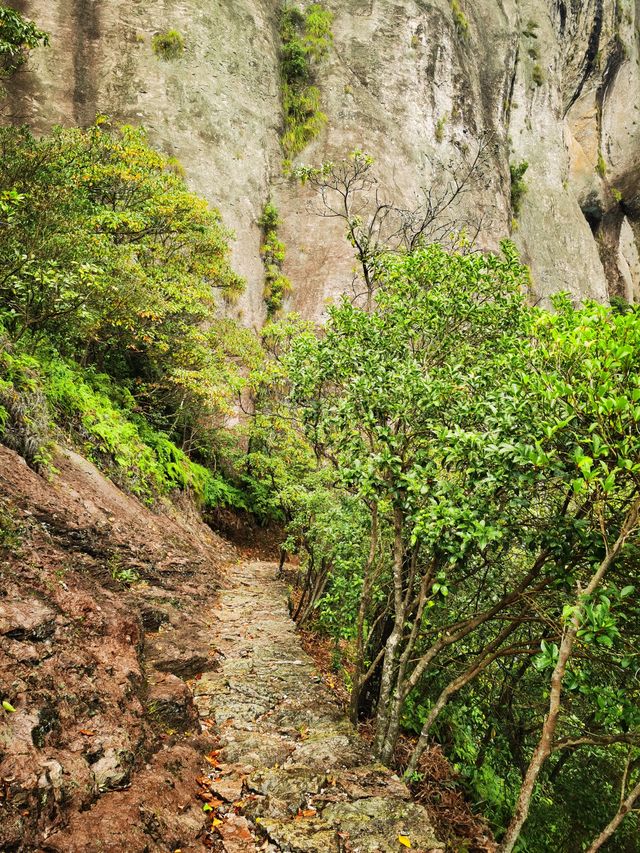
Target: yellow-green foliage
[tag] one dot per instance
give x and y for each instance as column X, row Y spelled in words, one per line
column 306, row 38
column 601, row 165
column 168, row 45
column 459, row 18
column 109, row 325
column 273, row 251
column 538, row 75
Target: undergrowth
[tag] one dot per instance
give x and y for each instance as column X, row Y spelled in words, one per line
column 99, row 417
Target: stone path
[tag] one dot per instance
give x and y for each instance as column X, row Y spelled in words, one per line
column 304, row 780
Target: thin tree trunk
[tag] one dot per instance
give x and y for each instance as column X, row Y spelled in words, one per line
column 363, row 607
column 305, row 589
column 397, row 703
column 488, row 655
column 616, row 820
column 392, row 648
column 545, row 743
column 316, row 593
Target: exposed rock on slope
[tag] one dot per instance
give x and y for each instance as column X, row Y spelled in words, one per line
column 555, row 83
column 104, row 729
column 304, row 778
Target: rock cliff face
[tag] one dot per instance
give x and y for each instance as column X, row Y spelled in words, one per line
column 554, row 83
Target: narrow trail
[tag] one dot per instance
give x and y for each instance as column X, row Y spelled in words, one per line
column 306, row 781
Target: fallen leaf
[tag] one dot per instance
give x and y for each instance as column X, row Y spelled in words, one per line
column 404, row 841
column 87, row 732
column 216, row 822
column 207, row 808
column 307, row 812
column 8, row 707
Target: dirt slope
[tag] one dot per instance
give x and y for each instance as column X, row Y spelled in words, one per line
column 104, row 726
column 136, row 649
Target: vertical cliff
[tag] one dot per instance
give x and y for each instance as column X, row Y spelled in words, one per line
column 553, row 83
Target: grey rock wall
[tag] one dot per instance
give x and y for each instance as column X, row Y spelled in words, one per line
column 555, row 83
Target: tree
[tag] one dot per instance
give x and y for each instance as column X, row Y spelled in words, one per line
column 350, row 191
column 17, row 37
column 109, row 257
column 376, row 393
column 494, row 449
column 590, row 381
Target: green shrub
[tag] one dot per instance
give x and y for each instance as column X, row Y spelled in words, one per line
column 306, row 38
column 17, row 37
column 459, row 19
column 538, row 75
column 168, row 45
column 518, row 185
column 601, row 165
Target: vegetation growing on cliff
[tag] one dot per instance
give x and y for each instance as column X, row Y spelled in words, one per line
column 517, row 171
column 18, row 36
column 107, row 307
column 168, row 45
column 459, row 19
column 272, row 251
column 306, row 39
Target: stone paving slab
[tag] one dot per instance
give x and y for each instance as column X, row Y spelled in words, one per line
column 305, row 780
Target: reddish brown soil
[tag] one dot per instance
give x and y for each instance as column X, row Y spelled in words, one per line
column 102, row 623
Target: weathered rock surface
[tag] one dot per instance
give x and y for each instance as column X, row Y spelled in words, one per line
column 555, row 83
column 102, row 749
column 303, row 778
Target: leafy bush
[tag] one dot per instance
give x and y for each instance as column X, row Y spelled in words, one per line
column 306, row 38
column 276, row 284
column 168, row 45
column 518, row 185
column 459, row 18
column 17, row 37
column 118, row 265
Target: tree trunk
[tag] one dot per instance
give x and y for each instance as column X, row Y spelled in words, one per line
column 614, row 823
column 382, row 749
column 365, row 600
column 545, row 744
column 402, row 690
